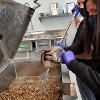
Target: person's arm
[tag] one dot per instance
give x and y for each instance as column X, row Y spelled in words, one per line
column 78, row 42
column 89, row 76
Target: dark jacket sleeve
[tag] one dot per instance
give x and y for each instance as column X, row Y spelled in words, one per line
column 78, row 42
column 89, row 76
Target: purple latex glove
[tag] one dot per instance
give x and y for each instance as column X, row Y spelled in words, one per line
column 61, row 45
column 67, row 57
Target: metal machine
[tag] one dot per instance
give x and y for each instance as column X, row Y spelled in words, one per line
column 14, row 20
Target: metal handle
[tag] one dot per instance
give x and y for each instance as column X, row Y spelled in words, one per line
column 27, row 4
column 38, row 5
column 31, row 19
column 67, row 30
column 35, row 1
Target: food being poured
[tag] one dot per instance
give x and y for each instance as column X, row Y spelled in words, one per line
column 50, row 58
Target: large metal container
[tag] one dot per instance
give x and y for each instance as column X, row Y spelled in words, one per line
column 28, row 70
column 14, row 20
column 12, row 30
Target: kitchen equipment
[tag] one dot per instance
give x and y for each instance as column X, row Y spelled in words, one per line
column 56, row 53
column 28, row 71
column 14, row 20
column 70, row 23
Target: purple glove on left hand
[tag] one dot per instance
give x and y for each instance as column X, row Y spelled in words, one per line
column 61, row 45
column 67, row 57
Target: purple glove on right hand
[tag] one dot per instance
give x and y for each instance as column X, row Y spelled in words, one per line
column 67, row 57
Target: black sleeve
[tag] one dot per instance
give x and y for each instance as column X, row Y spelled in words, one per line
column 78, row 42
column 90, row 77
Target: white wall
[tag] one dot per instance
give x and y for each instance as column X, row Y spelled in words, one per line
column 51, row 23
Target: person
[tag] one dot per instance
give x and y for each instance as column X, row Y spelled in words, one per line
column 80, row 50
column 81, row 54
column 86, row 47
column 90, row 75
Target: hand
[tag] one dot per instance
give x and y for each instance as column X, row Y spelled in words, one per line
column 67, row 57
column 60, row 45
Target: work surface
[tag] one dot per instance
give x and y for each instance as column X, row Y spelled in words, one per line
column 44, row 35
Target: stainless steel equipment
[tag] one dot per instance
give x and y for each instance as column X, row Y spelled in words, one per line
column 14, row 20
column 27, row 71
column 13, row 24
